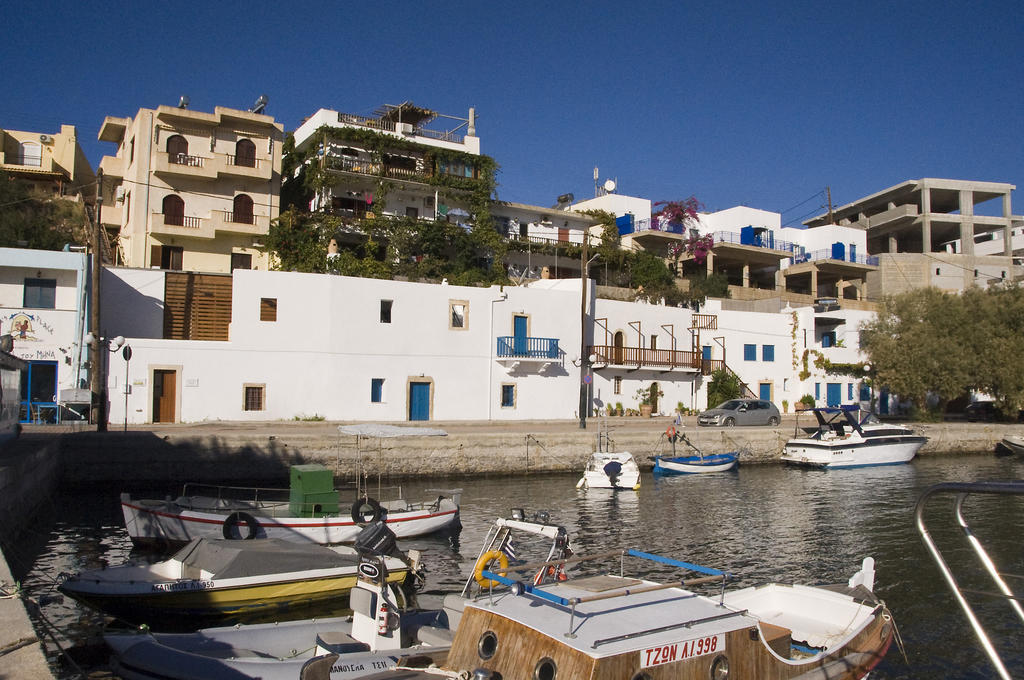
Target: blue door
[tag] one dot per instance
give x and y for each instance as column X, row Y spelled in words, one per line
column 883, row 402
column 853, row 252
column 834, row 394
column 419, row 401
column 39, row 392
column 765, row 391
column 519, row 336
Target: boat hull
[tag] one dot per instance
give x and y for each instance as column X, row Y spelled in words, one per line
column 611, row 471
column 838, row 454
column 689, row 465
column 162, row 523
column 1014, row 444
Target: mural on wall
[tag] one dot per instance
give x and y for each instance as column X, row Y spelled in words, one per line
column 25, row 326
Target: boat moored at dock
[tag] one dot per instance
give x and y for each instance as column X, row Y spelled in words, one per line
column 848, row 437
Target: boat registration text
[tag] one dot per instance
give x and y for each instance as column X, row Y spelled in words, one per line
column 679, row 651
column 183, row 585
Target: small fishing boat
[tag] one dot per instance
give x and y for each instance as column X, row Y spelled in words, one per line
column 846, row 436
column 309, row 510
column 695, row 464
column 217, row 581
column 610, row 470
column 378, row 633
column 601, row 623
column 1013, row 444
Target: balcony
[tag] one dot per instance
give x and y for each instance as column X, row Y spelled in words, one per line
column 513, row 350
column 249, row 168
column 185, row 165
column 181, row 225
column 640, row 357
column 224, row 221
column 836, row 255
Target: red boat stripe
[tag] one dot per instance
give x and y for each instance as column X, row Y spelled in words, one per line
column 349, row 523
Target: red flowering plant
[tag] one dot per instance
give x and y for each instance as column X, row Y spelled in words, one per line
column 683, row 214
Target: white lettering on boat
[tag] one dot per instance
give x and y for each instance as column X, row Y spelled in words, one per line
column 183, row 585
column 680, row 651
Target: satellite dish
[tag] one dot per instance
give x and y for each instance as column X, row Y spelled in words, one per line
column 609, row 185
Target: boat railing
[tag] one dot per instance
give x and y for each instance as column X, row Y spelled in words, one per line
column 521, row 587
column 961, row 490
column 273, row 502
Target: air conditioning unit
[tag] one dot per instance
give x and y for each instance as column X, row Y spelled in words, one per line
column 45, row 139
column 405, row 128
column 119, row 194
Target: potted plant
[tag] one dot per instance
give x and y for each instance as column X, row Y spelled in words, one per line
column 611, row 409
column 806, row 402
column 785, row 406
column 646, row 397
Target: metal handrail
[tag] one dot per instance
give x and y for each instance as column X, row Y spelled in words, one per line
column 962, row 490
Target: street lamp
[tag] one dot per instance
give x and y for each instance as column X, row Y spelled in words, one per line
column 96, row 343
column 871, row 389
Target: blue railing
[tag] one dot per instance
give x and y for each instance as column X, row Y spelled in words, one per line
column 515, row 347
column 833, row 254
column 758, row 240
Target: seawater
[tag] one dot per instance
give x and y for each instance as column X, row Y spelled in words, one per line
column 760, row 523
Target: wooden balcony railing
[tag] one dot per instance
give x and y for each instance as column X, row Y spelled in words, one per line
column 185, row 159
column 183, row 221
column 641, row 356
column 704, row 322
column 512, row 347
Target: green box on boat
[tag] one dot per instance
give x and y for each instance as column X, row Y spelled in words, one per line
column 312, row 491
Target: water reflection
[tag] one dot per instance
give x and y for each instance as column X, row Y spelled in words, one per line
column 759, row 523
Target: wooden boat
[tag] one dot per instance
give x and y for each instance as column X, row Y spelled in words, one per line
column 378, row 633
column 308, row 511
column 1013, row 444
column 845, row 437
column 219, row 581
column 695, row 464
column 609, row 470
column 603, row 624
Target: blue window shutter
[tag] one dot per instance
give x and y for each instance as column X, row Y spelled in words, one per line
column 508, row 396
column 750, row 352
column 377, row 390
column 767, row 352
column 817, row 390
column 849, row 392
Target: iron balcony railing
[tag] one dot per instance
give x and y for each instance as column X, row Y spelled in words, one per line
column 828, row 254
column 641, row 356
column 758, row 241
column 389, row 126
column 513, row 347
column 352, row 165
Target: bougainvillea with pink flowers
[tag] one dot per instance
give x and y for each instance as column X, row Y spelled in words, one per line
column 684, row 213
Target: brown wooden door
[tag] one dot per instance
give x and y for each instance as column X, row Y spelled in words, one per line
column 164, row 395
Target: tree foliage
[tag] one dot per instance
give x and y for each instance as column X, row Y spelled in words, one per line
column 932, row 347
column 35, row 220
column 723, row 387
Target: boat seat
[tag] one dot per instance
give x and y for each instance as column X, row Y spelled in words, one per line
column 337, row 642
column 434, row 636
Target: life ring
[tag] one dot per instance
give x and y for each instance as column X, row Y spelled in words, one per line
column 670, row 432
column 359, row 511
column 484, row 563
column 236, row 518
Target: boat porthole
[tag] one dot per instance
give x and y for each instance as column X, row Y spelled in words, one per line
column 545, row 669
column 487, row 645
column 720, row 668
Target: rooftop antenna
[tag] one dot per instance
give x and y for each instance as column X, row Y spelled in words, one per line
column 596, row 175
column 183, row 102
column 260, row 104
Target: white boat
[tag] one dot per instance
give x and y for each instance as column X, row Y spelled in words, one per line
column 601, row 623
column 216, row 581
column 609, row 470
column 845, row 437
column 1013, row 444
column 700, row 463
column 378, row 633
column 310, row 510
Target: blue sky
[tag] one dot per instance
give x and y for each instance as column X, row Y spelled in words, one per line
column 759, row 104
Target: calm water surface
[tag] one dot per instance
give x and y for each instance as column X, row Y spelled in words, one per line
column 760, row 523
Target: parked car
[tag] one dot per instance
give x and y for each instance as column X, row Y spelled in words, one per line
column 741, row 412
column 987, row 411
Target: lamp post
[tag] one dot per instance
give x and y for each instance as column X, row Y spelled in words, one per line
column 99, row 374
column 871, row 388
column 126, row 352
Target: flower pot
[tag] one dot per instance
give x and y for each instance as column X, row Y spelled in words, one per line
column 645, row 410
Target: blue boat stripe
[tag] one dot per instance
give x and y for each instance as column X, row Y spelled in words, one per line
column 536, row 592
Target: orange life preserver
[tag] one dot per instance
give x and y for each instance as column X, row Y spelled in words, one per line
column 484, row 563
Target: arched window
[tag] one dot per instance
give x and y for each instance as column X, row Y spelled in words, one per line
column 174, row 210
column 245, row 153
column 177, row 149
column 242, row 209
column 31, row 154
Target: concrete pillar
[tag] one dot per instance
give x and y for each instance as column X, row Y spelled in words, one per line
column 840, row 284
column 966, row 222
column 746, row 275
column 814, row 281
column 780, row 280
column 926, row 220
column 711, row 263
column 1008, row 229
column 893, row 245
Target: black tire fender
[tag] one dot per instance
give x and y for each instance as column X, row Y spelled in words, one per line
column 237, row 518
column 359, row 511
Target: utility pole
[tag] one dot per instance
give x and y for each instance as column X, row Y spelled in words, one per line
column 584, row 363
column 828, row 192
column 98, row 350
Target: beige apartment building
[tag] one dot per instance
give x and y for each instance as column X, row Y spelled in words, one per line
column 189, row 190
column 52, row 163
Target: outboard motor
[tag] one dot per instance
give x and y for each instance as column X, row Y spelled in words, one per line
column 613, row 470
column 377, row 539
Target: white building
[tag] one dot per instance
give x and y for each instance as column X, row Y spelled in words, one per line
column 43, row 307
column 341, row 348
